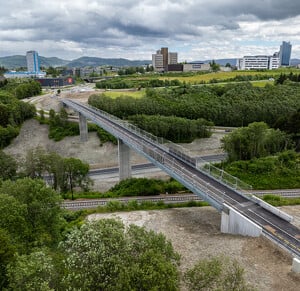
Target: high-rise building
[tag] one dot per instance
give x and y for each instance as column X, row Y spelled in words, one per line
column 163, row 58
column 285, row 53
column 33, row 64
column 165, row 52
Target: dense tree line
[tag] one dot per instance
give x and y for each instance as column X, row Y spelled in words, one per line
column 25, row 90
column 284, row 77
column 122, row 83
column 231, row 105
column 12, row 114
column 173, row 128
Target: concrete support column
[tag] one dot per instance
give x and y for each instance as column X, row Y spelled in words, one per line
column 83, row 128
column 124, row 160
column 235, row 223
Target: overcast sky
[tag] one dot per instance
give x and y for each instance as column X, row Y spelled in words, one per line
column 134, row 29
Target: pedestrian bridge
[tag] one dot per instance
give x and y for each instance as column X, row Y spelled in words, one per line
column 241, row 213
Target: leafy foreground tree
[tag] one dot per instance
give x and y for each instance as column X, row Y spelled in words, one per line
column 31, row 272
column 218, row 273
column 30, row 212
column 103, row 255
column 30, row 217
column 8, row 166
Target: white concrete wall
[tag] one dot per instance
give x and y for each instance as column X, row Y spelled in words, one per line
column 235, row 223
column 272, row 209
column 296, row 265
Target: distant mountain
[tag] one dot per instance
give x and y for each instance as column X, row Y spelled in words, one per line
column 53, row 62
column 13, row 62
column 95, row 62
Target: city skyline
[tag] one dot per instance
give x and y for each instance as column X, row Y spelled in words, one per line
column 197, row 30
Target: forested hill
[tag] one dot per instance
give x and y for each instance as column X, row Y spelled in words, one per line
column 13, row 62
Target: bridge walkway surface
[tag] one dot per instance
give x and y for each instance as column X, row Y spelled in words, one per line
column 275, row 226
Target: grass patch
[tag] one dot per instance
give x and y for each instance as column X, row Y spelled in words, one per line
column 219, row 76
column 280, row 171
column 133, row 187
column 122, row 93
column 276, row 200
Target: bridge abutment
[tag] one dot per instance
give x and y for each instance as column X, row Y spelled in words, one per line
column 124, row 160
column 235, row 223
column 83, row 128
column 296, row 265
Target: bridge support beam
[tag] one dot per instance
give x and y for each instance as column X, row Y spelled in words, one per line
column 124, row 160
column 235, row 223
column 83, row 128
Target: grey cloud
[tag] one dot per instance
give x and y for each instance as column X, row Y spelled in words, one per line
column 129, row 23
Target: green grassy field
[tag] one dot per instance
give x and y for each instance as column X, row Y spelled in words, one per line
column 226, row 75
column 119, row 93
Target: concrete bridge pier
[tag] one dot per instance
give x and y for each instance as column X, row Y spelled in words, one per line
column 83, row 128
column 235, row 223
column 124, row 160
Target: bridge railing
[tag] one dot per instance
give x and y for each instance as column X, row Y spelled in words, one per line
column 224, row 177
column 138, row 131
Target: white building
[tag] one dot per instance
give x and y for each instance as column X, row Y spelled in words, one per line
column 258, row 62
column 14, row 74
column 158, row 62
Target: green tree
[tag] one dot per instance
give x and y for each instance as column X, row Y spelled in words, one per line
column 42, row 215
column 214, row 66
column 7, row 252
column 8, row 166
column 32, row 272
column 218, row 273
column 103, row 255
column 75, row 175
column 256, row 140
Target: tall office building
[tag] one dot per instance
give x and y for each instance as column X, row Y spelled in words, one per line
column 285, row 53
column 165, row 52
column 163, row 58
column 33, row 64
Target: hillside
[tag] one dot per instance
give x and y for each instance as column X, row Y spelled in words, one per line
column 95, row 62
column 17, row 61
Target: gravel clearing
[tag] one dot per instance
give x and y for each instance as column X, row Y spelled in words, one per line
column 195, row 234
